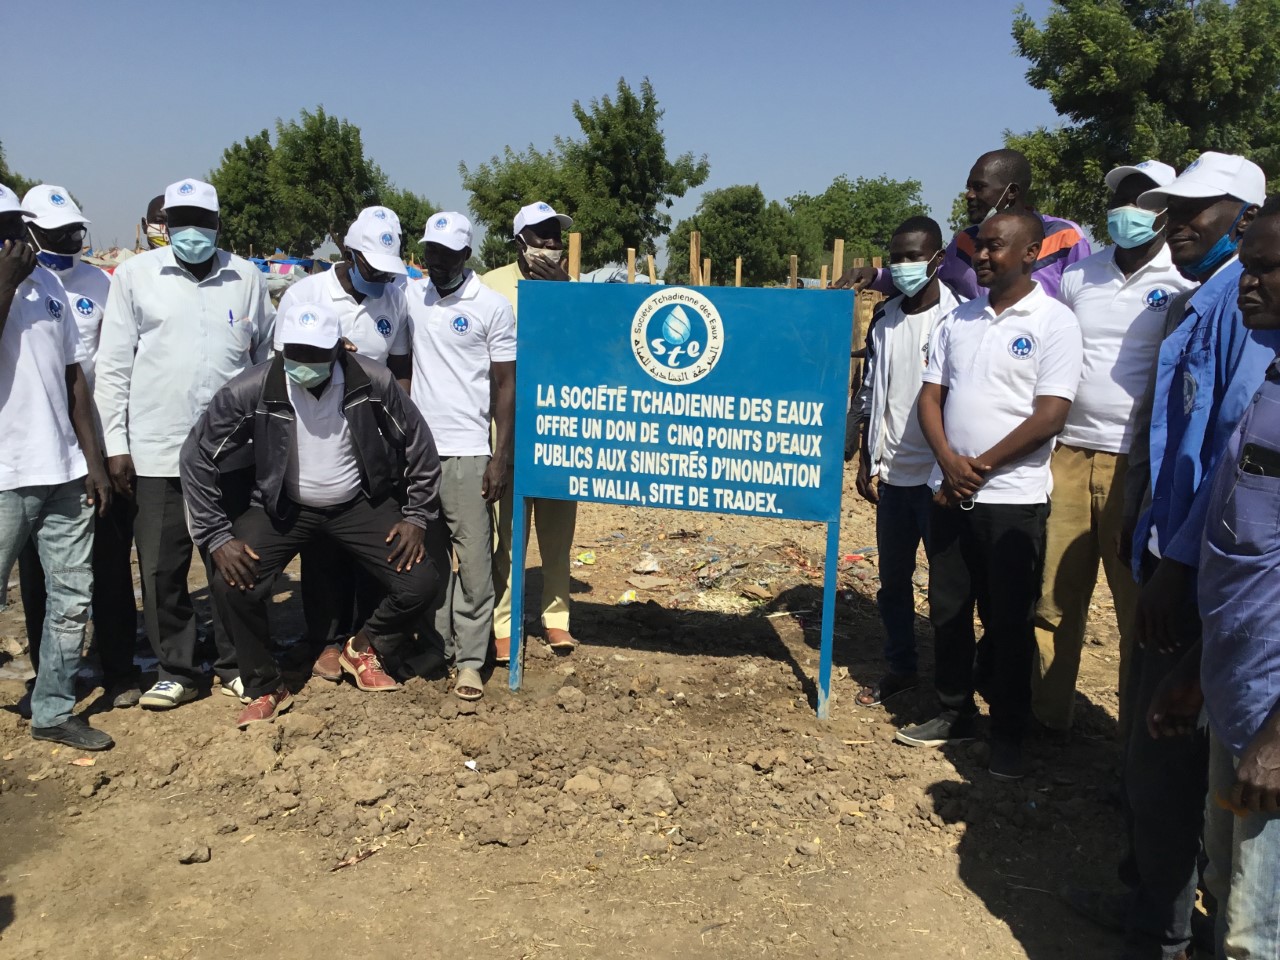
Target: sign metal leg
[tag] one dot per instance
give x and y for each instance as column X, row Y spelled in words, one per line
column 519, row 523
column 830, row 586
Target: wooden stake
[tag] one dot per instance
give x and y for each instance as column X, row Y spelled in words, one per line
column 137, row 237
column 653, row 270
column 795, row 271
column 737, row 272
column 631, row 264
column 575, row 255
column 695, row 258
column 876, row 262
column 706, row 271
column 822, row 278
column 837, row 260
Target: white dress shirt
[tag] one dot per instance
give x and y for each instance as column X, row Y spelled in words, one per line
column 322, row 470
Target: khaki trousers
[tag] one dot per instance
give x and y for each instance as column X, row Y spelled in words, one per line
column 554, row 521
column 1084, row 527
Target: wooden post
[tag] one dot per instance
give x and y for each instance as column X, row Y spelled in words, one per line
column 837, row 260
column 876, row 262
column 695, row 258
column 822, row 278
column 631, row 264
column 795, row 271
column 137, row 237
column 737, row 272
column 706, row 271
column 653, row 270
column 575, row 255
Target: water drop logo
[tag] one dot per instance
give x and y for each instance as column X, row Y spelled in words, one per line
column 441, row 223
column 677, row 336
column 543, row 208
column 54, row 307
column 84, row 307
column 384, row 326
column 387, row 240
column 1193, row 164
column 307, row 320
column 1158, row 300
column 379, row 214
column 1022, row 347
column 57, row 199
column 460, row 325
column 187, row 189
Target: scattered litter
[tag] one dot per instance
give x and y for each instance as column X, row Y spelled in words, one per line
column 587, row 558
column 248, row 838
column 472, row 765
column 355, row 858
column 754, row 591
column 647, row 563
column 82, row 762
column 37, row 777
column 628, row 598
column 650, row 583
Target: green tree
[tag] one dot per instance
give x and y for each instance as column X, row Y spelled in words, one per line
column 250, row 210
column 959, row 218
column 864, row 212
column 617, row 180
column 1139, row 79
column 12, row 179
column 735, row 222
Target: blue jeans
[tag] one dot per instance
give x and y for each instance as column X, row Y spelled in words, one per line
column 902, row 522
column 60, row 521
column 1244, row 868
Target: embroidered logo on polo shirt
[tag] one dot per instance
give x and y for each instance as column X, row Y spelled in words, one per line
column 1022, row 347
column 677, row 336
column 460, row 325
column 54, row 307
column 84, row 307
column 1158, row 300
column 307, row 320
column 384, row 326
column 387, row 240
column 187, row 188
column 57, row 199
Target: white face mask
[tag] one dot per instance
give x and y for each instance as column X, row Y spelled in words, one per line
column 549, row 257
column 996, row 209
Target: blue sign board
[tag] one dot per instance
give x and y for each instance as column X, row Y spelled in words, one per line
column 723, row 400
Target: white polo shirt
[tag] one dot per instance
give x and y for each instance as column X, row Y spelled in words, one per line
column 87, row 287
column 1122, row 325
column 994, row 366
column 322, row 470
column 39, row 342
column 168, row 343
column 379, row 327
column 455, row 339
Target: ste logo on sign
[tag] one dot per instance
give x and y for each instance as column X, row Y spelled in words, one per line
column 677, row 336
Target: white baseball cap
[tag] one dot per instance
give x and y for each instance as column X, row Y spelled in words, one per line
column 378, row 238
column 1161, row 174
column 9, row 202
column 310, row 324
column 535, row 213
column 449, row 229
column 384, row 215
column 191, row 193
column 1212, row 175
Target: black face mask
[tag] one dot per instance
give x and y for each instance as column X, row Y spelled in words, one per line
column 446, row 281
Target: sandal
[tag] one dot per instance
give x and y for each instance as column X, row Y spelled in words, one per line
column 469, row 685
column 890, row 686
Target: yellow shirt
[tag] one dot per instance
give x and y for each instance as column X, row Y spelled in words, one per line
column 503, row 280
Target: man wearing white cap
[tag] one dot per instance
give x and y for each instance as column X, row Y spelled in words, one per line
column 1121, row 296
column 464, row 353
column 539, row 237
column 337, row 444
column 373, row 318
column 1208, row 369
column 51, row 470
column 57, row 229
column 180, row 322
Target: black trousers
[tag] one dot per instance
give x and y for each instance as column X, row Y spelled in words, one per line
column 993, row 556
column 115, row 615
column 164, row 559
column 337, row 594
column 360, row 530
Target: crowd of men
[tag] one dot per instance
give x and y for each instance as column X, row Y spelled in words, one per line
column 1029, row 409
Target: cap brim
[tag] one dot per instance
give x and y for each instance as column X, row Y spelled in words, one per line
column 566, row 222
column 427, row 238
column 1158, row 199
column 52, row 221
column 385, row 262
column 19, row 210
column 1117, row 176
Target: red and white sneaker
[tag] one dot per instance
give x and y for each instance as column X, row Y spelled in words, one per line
column 266, row 708
column 366, row 669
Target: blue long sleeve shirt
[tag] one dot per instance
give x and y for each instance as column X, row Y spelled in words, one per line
column 1209, row 369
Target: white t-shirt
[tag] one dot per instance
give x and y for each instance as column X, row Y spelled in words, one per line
column 87, row 287
column 905, row 457
column 455, row 339
column 379, row 327
column 40, row 340
column 322, row 470
column 994, row 367
column 1122, row 325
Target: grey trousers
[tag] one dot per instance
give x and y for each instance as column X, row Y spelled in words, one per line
column 463, row 613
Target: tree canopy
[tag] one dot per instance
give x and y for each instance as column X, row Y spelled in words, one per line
column 735, row 222
column 12, row 178
column 1147, row 79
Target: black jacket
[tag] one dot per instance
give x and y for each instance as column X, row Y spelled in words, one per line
column 392, row 442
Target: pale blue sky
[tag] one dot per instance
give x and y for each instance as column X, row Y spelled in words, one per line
column 114, row 100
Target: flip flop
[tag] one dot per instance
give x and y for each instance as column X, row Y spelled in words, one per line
column 561, row 641
column 469, row 685
column 873, row 695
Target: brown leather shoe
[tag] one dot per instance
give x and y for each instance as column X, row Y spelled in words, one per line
column 502, row 650
column 265, row 708
column 561, row 641
column 328, row 665
column 366, row 669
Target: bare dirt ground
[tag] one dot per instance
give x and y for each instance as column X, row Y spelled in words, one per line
column 664, row 792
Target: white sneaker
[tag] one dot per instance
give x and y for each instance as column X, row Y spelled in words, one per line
column 168, row 694
column 234, row 688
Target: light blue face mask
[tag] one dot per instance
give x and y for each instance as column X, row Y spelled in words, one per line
column 193, row 244
column 1131, row 226
column 370, row 288
column 1218, row 254
column 307, row 374
column 911, row 278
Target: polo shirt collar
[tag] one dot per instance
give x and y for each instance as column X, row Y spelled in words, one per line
column 170, row 262
column 470, row 287
column 336, row 290
column 1163, row 260
column 1027, row 305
